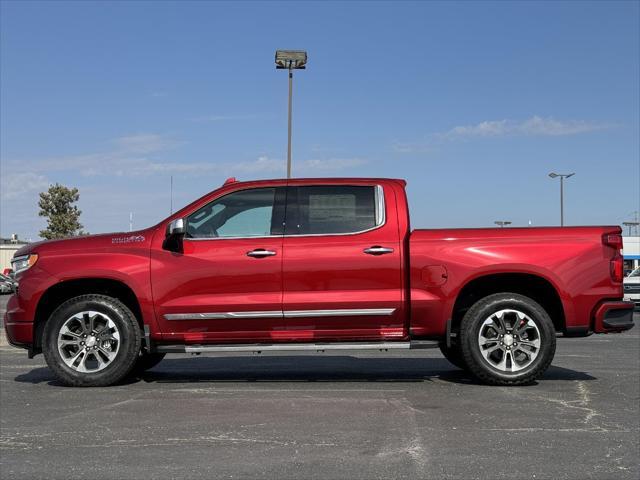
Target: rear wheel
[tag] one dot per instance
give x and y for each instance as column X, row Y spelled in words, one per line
column 91, row 340
column 453, row 354
column 507, row 339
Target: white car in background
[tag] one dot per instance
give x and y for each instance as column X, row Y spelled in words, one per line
column 632, row 287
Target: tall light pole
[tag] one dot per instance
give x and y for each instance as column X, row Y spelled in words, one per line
column 290, row 60
column 502, row 223
column 562, row 177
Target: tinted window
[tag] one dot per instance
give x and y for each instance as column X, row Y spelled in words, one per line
column 246, row 213
column 335, row 209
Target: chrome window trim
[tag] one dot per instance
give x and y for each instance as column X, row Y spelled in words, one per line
column 380, row 216
column 340, row 312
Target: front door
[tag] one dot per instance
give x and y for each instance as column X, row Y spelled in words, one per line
column 226, row 284
column 342, row 275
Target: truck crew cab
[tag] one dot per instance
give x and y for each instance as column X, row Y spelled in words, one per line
column 313, row 265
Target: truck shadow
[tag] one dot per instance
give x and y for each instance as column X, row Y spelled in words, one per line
column 304, row 369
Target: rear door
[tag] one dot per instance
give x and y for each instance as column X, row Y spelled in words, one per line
column 342, row 275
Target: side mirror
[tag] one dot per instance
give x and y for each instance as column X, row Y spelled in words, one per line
column 176, row 227
column 175, row 234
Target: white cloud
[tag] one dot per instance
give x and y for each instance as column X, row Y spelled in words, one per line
column 135, row 156
column 532, row 126
column 412, row 147
column 331, row 164
column 263, row 164
column 145, row 143
column 266, row 164
column 222, row 118
column 17, row 185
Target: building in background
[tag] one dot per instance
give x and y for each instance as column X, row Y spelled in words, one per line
column 9, row 246
column 631, row 252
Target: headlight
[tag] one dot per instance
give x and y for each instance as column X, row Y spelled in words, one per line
column 24, row 262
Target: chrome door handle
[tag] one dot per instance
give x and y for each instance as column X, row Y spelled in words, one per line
column 378, row 250
column 261, row 252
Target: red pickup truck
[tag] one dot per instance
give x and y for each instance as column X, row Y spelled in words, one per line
column 314, row 265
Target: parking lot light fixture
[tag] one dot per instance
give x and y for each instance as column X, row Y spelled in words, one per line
column 290, row 60
column 562, row 177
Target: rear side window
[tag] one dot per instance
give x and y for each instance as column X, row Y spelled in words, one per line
column 333, row 209
column 246, row 213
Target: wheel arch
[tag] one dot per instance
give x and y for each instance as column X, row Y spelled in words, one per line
column 55, row 295
column 531, row 285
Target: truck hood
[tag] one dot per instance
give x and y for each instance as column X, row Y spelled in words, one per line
column 139, row 238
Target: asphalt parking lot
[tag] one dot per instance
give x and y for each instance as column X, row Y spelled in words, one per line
column 334, row 416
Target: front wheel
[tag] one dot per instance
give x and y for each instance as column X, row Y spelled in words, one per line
column 91, row 341
column 507, row 339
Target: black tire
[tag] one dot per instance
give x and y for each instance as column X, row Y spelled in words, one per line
column 483, row 369
column 453, row 354
column 146, row 361
column 129, row 342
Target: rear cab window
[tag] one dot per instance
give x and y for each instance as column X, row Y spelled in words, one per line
column 334, row 209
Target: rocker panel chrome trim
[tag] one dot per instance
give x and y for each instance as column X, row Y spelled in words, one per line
column 300, row 347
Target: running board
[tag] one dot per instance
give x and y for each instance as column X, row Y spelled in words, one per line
column 296, row 347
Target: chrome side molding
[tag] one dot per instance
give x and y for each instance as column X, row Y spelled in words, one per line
column 222, row 315
column 342, row 312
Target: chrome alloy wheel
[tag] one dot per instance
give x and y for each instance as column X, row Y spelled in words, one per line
column 88, row 341
column 509, row 340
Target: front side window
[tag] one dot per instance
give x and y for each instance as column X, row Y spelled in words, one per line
column 246, row 213
column 335, row 209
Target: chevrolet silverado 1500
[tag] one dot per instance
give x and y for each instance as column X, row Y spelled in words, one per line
column 314, row 265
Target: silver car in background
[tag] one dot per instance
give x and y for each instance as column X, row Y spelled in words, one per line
column 7, row 284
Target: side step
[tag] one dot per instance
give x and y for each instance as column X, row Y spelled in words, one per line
column 297, row 347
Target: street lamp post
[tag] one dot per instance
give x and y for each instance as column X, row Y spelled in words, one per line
column 562, row 177
column 290, row 60
column 502, row 223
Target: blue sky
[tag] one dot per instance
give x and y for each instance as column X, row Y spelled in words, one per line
column 474, row 103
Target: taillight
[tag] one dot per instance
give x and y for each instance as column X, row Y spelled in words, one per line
column 616, row 266
column 613, row 240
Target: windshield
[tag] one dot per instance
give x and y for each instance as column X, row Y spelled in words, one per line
column 635, row 273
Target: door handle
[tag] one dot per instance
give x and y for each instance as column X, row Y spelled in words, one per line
column 377, row 250
column 260, row 252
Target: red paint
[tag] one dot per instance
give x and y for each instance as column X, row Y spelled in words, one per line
column 421, row 279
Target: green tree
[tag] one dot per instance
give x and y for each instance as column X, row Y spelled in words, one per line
column 62, row 216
